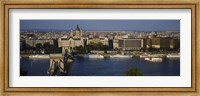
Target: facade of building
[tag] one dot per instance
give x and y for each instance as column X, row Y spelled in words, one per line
column 77, row 33
column 131, row 44
column 175, row 43
column 155, row 43
column 69, row 42
column 103, row 40
column 149, row 43
column 115, row 43
column 163, row 43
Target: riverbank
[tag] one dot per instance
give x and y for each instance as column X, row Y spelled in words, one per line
column 108, row 55
column 174, row 55
column 28, row 55
column 25, row 55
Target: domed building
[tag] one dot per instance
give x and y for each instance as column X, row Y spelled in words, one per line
column 73, row 40
column 77, row 33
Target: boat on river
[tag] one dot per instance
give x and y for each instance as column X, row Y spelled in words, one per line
column 154, row 59
column 173, row 56
column 120, row 56
column 152, row 56
column 93, row 56
column 39, row 56
column 148, row 59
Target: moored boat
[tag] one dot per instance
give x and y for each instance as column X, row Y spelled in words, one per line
column 173, row 56
column 152, row 56
column 156, row 59
column 93, row 56
column 147, row 59
column 39, row 56
column 120, row 56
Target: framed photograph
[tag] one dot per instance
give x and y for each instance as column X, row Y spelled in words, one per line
column 100, row 47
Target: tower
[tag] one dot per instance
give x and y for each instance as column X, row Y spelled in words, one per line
column 78, row 32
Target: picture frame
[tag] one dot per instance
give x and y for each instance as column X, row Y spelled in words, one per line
column 6, row 5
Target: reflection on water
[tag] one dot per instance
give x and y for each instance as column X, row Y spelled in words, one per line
column 105, row 67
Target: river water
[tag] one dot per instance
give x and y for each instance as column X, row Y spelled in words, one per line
column 105, row 67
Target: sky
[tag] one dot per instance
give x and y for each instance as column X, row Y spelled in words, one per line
column 102, row 25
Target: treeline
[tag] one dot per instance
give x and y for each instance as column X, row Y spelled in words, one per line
column 91, row 46
column 45, row 48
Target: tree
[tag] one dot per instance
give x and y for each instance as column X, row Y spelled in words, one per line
column 88, row 48
column 134, row 72
column 47, row 47
column 80, row 49
column 38, row 48
column 29, row 49
column 55, row 48
column 105, row 47
column 97, row 46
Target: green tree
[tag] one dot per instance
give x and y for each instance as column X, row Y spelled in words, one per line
column 55, row 48
column 97, row 46
column 105, row 47
column 88, row 48
column 134, row 72
column 29, row 49
column 47, row 47
column 38, row 48
column 80, row 49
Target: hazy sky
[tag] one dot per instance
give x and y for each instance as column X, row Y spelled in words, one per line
column 103, row 25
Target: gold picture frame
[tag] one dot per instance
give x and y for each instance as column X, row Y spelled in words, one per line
column 127, row 4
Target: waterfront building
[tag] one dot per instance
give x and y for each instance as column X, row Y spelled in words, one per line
column 175, row 43
column 155, row 43
column 103, row 40
column 158, row 43
column 165, row 43
column 116, row 41
column 149, row 43
column 131, row 43
column 69, row 42
column 77, row 33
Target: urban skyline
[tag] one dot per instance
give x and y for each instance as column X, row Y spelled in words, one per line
column 72, row 52
column 101, row 25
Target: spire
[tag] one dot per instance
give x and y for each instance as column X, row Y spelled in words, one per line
column 77, row 28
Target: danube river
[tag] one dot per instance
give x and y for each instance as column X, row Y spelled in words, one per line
column 105, row 67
